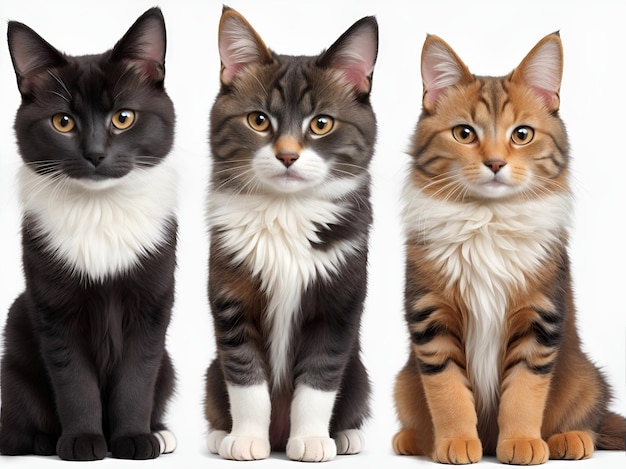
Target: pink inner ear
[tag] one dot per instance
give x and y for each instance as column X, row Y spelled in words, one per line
column 358, row 76
column 239, row 45
column 356, row 57
column 550, row 98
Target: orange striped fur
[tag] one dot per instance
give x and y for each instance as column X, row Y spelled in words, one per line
column 495, row 365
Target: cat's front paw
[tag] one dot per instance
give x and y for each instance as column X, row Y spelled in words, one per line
column 349, row 441
column 244, row 448
column 145, row 446
column 81, row 447
column 571, row 445
column 522, row 451
column 458, row 451
column 311, row 449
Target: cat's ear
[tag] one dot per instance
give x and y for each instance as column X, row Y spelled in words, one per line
column 354, row 54
column 30, row 55
column 542, row 70
column 143, row 46
column 441, row 69
column 239, row 45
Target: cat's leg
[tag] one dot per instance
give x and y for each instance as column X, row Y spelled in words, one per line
column 522, row 403
column 216, row 407
column 416, row 434
column 78, row 402
column 250, row 408
column 528, row 369
column 130, row 406
column 440, row 359
column 163, row 391
column 454, row 417
column 48, row 384
column 238, row 416
column 28, row 422
column 311, row 411
column 351, row 408
column 240, row 371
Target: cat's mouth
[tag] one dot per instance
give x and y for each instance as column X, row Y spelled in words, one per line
column 496, row 188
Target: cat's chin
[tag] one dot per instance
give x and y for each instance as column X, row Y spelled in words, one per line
column 289, row 184
column 98, row 184
column 494, row 190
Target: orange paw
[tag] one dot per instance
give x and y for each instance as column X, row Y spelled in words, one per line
column 523, row 451
column 405, row 443
column 571, row 445
column 458, row 451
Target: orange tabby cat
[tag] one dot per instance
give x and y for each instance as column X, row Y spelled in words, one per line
column 495, row 365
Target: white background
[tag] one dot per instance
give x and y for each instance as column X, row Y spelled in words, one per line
column 491, row 37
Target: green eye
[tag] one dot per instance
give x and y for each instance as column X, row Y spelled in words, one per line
column 464, row 134
column 63, row 123
column 123, row 119
column 259, row 121
column 321, row 125
column 522, row 135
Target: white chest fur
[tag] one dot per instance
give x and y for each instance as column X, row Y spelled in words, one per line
column 486, row 249
column 99, row 230
column 272, row 235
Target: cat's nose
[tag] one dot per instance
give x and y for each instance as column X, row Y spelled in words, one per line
column 495, row 164
column 287, row 149
column 287, row 158
column 94, row 158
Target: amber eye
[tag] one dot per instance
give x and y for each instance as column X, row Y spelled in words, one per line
column 259, row 121
column 62, row 122
column 522, row 135
column 464, row 134
column 123, row 119
column 321, row 125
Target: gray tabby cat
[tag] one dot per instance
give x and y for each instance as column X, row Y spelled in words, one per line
column 291, row 139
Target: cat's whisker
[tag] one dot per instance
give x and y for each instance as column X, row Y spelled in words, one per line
column 58, row 79
column 60, row 96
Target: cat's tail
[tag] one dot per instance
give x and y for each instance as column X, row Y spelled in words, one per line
column 612, row 432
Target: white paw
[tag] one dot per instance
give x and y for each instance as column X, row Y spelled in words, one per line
column 311, row 449
column 244, row 448
column 350, row 441
column 167, row 441
column 214, row 440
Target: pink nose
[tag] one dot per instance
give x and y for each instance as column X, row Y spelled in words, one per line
column 287, row 158
column 495, row 164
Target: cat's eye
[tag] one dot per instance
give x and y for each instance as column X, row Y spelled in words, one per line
column 63, row 123
column 123, row 119
column 464, row 134
column 259, row 121
column 321, row 125
column 522, row 135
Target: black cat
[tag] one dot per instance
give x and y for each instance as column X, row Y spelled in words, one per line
column 85, row 370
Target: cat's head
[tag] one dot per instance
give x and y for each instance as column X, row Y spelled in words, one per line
column 93, row 118
column 489, row 138
column 287, row 124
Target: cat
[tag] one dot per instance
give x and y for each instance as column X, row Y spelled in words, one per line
column 84, row 369
column 291, row 140
column 495, row 364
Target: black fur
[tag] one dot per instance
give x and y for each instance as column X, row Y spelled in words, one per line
column 84, row 369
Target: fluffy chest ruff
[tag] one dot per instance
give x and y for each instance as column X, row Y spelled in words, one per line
column 276, row 238
column 486, row 251
column 100, row 230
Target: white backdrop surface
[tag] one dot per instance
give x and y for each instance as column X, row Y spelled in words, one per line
column 490, row 36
